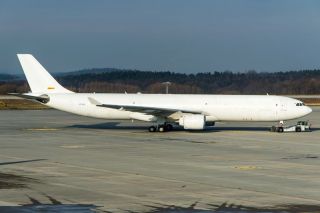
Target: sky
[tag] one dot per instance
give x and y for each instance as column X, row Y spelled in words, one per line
column 186, row 36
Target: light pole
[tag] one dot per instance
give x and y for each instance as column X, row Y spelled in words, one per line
column 167, row 83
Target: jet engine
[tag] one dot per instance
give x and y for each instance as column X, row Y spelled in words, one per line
column 193, row 122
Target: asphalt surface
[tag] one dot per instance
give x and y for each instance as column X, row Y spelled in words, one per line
column 54, row 161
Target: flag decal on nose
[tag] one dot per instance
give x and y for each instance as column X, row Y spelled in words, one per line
column 50, row 87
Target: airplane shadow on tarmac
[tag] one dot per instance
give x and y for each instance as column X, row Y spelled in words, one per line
column 117, row 126
column 54, row 206
column 16, row 181
column 110, row 125
column 10, row 181
column 21, row 161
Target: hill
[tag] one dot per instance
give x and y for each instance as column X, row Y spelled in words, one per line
column 7, row 77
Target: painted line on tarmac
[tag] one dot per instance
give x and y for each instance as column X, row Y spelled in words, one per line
column 73, row 146
column 247, row 167
column 41, row 129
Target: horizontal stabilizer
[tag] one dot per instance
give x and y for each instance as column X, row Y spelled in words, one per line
column 30, row 96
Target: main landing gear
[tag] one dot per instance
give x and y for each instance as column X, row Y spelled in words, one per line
column 161, row 128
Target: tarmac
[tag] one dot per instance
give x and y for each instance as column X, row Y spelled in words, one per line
column 54, row 161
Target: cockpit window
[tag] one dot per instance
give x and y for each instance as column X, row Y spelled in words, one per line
column 300, row 104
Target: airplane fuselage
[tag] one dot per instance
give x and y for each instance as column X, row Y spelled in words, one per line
column 214, row 107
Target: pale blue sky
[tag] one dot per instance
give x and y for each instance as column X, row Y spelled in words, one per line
column 176, row 35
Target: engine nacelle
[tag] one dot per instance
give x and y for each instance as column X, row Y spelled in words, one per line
column 195, row 122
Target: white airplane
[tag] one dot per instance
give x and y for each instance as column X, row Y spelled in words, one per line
column 192, row 112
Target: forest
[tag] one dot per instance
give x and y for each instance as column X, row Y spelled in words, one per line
column 111, row 80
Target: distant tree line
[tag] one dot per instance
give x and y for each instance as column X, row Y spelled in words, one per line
column 132, row 81
column 7, row 77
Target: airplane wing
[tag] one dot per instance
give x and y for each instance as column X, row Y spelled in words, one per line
column 157, row 111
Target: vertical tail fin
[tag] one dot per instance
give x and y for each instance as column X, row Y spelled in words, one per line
column 39, row 80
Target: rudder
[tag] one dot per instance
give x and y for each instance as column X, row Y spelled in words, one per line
column 39, row 79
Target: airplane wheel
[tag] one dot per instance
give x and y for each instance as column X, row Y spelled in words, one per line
column 152, row 129
column 280, row 129
column 169, row 127
column 161, row 128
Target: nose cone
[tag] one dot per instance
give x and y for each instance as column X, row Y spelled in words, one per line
column 308, row 110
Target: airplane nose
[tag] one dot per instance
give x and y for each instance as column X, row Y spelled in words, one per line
column 308, row 110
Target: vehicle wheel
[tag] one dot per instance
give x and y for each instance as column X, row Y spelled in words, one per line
column 169, row 127
column 298, row 129
column 152, row 129
column 280, row 129
column 273, row 129
column 161, row 128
